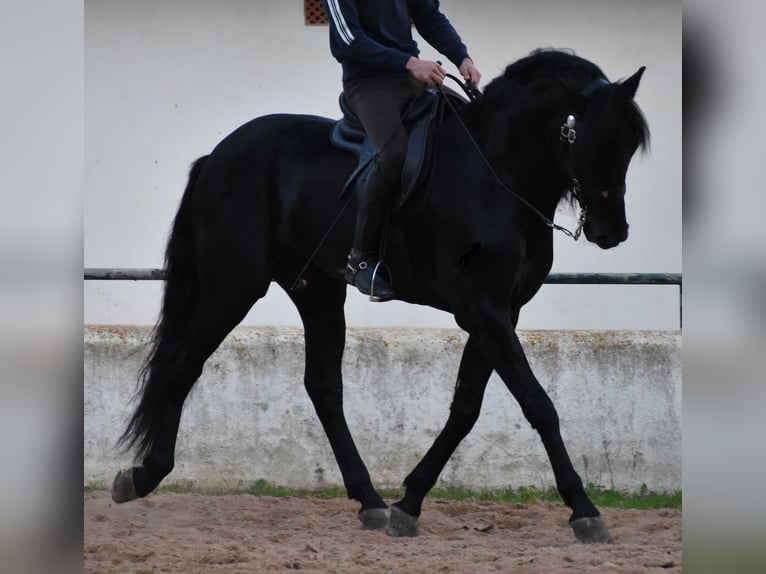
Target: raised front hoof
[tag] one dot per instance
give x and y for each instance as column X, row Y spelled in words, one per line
column 591, row 530
column 401, row 524
column 374, row 518
column 123, row 489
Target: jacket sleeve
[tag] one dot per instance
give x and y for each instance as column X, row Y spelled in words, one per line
column 350, row 42
column 437, row 30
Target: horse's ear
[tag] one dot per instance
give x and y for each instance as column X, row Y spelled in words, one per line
column 630, row 85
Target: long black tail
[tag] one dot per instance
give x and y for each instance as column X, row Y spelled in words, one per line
column 179, row 301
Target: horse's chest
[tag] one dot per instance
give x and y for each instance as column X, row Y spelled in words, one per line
column 508, row 265
column 529, row 271
column 527, row 280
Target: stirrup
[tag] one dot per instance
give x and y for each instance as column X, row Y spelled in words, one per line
column 362, row 275
column 373, row 297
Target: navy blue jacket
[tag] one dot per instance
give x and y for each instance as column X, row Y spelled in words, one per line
column 375, row 36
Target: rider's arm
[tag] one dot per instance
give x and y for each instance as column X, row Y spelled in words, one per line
column 349, row 41
column 437, row 30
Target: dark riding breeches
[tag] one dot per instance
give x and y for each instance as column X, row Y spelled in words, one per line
column 379, row 102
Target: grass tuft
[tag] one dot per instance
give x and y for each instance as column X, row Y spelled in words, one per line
column 606, row 497
column 603, row 497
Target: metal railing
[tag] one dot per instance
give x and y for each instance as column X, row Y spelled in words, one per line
column 130, row 274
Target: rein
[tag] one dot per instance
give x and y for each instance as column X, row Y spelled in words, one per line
column 568, row 134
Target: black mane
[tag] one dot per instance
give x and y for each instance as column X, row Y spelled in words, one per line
column 524, row 83
column 545, row 87
column 548, row 63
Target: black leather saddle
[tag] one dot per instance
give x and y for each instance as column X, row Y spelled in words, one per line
column 420, row 120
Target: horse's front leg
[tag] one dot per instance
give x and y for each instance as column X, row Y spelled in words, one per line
column 472, row 380
column 497, row 337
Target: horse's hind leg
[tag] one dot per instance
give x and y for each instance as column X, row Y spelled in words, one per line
column 320, row 305
column 174, row 370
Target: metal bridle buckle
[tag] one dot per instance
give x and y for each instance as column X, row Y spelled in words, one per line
column 568, row 133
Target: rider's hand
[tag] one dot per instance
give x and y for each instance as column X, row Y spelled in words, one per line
column 469, row 72
column 427, row 71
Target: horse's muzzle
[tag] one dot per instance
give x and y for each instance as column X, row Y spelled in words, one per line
column 606, row 240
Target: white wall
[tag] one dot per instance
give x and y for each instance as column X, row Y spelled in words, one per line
column 165, row 80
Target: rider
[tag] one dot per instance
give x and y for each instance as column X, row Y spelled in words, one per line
column 372, row 39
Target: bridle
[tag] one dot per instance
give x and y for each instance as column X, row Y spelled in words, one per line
column 568, row 136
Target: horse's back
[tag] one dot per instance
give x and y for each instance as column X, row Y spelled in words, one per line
column 258, row 152
column 275, row 181
column 265, row 136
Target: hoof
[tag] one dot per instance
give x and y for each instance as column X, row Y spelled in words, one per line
column 123, row 489
column 374, row 518
column 401, row 524
column 591, row 530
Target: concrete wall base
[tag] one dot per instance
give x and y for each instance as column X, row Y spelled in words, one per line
column 618, row 395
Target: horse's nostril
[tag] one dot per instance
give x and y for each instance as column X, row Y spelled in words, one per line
column 607, row 241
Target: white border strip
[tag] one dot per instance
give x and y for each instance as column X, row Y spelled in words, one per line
column 340, row 22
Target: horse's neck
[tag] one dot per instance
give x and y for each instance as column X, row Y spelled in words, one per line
column 515, row 153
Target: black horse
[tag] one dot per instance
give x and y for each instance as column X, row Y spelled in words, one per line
column 477, row 241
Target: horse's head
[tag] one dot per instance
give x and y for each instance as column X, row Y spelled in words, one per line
column 609, row 130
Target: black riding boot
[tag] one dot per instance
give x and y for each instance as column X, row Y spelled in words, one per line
column 363, row 270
